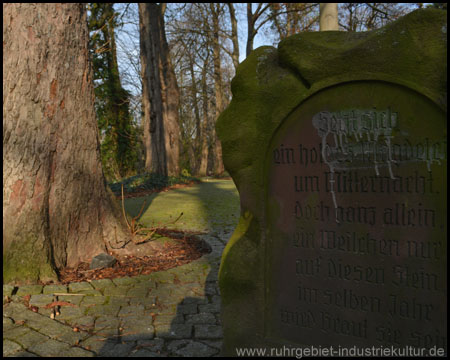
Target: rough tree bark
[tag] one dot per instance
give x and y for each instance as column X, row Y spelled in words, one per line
column 160, row 93
column 202, row 171
column 57, row 210
column 218, row 88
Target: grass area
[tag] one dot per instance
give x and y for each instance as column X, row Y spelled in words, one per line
column 149, row 181
column 210, row 206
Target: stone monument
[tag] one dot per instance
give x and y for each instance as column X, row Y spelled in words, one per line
column 337, row 144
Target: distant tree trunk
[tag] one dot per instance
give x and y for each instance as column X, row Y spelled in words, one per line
column 234, row 35
column 198, row 136
column 56, row 208
column 160, row 93
column 204, row 130
column 328, row 17
column 250, row 29
column 218, row 162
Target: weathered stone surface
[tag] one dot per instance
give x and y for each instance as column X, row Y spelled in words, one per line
column 202, row 318
column 7, row 290
column 102, row 283
column 29, row 290
column 208, row 332
column 102, row 261
column 173, row 331
column 50, row 289
column 295, row 139
column 40, row 300
column 80, row 286
column 10, row 348
column 120, row 324
column 191, row 348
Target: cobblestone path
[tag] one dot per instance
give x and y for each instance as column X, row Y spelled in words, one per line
column 167, row 313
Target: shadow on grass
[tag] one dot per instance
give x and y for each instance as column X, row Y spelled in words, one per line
column 195, row 328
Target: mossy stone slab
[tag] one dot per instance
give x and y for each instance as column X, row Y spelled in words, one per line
column 399, row 73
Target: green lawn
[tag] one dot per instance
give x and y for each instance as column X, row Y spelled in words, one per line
column 211, row 206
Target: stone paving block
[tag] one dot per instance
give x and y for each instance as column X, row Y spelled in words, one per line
column 215, row 299
column 148, row 301
column 85, row 322
column 116, row 291
column 162, row 277
column 136, row 310
column 49, row 348
column 191, row 348
column 169, row 319
column 195, row 300
column 164, row 309
column 30, row 338
column 146, row 280
column 98, row 310
column 143, row 353
column 213, row 343
column 7, row 322
column 50, row 289
column 208, row 332
column 10, row 347
column 188, row 277
column 173, row 331
column 135, row 332
column 118, row 301
column 107, row 322
column 100, row 284
column 29, row 290
column 188, row 308
column 155, row 345
column 94, row 343
column 16, row 332
column 211, row 308
column 32, row 319
column 111, row 349
column 165, row 299
column 41, row 300
column 195, row 292
column 64, row 333
column 202, row 318
column 90, row 292
column 8, row 290
column 211, row 288
column 80, row 286
column 73, row 299
column 93, row 300
column 12, row 308
column 125, row 281
column 138, row 292
column 78, row 352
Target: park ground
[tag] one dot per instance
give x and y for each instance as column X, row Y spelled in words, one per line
column 167, row 313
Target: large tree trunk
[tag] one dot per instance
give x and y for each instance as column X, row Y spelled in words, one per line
column 160, row 94
column 56, row 208
column 218, row 91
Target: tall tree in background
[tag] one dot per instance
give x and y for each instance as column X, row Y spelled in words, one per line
column 160, row 96
column 218, row 87
column 328, row 17
column 56, row 208
column 118, row 135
